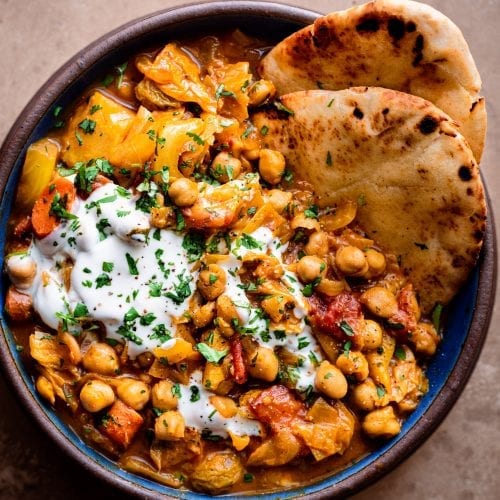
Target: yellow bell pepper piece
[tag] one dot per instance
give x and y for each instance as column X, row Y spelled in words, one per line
column 179, row 351
column 39, row 165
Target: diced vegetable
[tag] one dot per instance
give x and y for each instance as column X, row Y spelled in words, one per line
column 39, row 166
column 18, row 305
column 90, row 135
column 53, row 205
column 121, row 423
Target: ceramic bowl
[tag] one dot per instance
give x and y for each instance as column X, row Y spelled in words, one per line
column 468, row 317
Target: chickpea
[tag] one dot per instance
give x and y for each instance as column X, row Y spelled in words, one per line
column 263, row 364
column 330, row 381
column 211, row 281
column 354, row 363
column 318, row 244
column 380, row 301
column 224, row 327
column 183, row 192
column 351, row 261
column 163, row 396
column 134, row 393
column 21, row 269
column 260, row 91
column 225, row 167
column 226, row 309
column 310, row 268
column 425, row 339
column 46, row 389
column 303, row 222
column 251, row 154
column 96, row 395
column 204, row 315
column 279, row 199
column 224, row 405
column 271, row 166
column 364, row 396
column 101, row 358
column 381, row 423
column 372, row 334
column 170, row 426
column 376, row 263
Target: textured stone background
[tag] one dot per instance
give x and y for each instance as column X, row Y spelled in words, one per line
column 460, row 461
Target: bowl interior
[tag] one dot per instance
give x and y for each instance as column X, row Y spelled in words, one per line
column 467, row 319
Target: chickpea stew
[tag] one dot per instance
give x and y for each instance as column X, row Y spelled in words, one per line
column 186, row 303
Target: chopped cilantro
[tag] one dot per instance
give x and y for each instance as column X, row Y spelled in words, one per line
column 160, row 333
column 147, row 319
column 58, row 207
column 182, row 290
column 101, row 226
column 107, row 267
column 346, row 328
column 221, row 92
column 347, row 348
column 436, row 316
column 155, row 289
column 210, row 354
column 87, row 125
column 176, row 391
column 250, row 242
column 312, row 212
column 195, row 394
column 132, row 265
column 194, row 244
column 302, row 343
column 78, row 138
column 400, row 353
column 281, row 107
column 121, row 72
column 131, row 315
column 102, row 280
column 95, row 108
column 196, row 138
column 308, row 290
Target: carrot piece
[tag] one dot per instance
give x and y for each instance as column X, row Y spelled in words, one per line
column 121, row 423
column 59, row 193
column 18, row 305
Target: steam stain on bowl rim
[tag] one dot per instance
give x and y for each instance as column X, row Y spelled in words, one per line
column 447, row 373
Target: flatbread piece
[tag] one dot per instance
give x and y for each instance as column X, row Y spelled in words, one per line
column 401, row 45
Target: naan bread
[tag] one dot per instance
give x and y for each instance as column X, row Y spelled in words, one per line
column 401, row 45
column 423, row 199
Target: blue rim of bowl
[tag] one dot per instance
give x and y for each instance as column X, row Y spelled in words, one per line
column 470, row 312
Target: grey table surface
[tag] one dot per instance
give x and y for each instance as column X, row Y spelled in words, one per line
column 459, row 461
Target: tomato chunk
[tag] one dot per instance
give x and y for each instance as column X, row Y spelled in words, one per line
column 339, row 316
column 277, row 407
